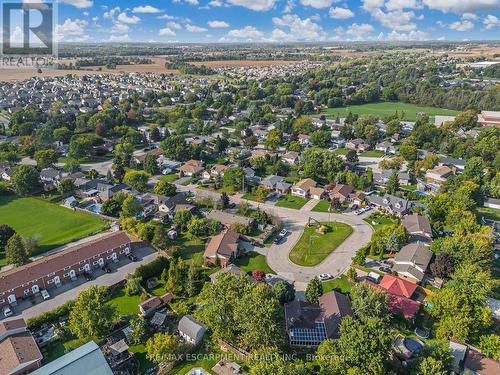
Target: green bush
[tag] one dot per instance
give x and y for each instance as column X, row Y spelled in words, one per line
column 152, row 269
column 50, row 316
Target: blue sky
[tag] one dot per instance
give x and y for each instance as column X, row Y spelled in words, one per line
column 277, row 20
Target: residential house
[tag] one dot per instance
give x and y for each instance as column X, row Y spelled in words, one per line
column 317, row 193
column 260, row 153
column 477, row 363
column 381, row 178
column 439, row 174
column 303, row 187
column 151, row 305
column 19, row 353
column 227, row 219
column 418, row 227
column 308, row 325
column 222, row 249
column 7, row 174
column 386, row 147
column 458, row 352
column 412, row 261
column 270, row 181
column 191, row 330
column 291, row 157
column 400, row 294
column 357, row 145
column 341, row 192
column 216, row 171
column 492, row 203
column 86, row 359
column 231, row 268
column 489, row 118
column 51, row 177
column 192, row 168
column 453, row 163
column 357, row 198
column 157, row 152
column 303, row 139
column 390, row 203
column 282, row 187
column 163, row 207
column 53, row 270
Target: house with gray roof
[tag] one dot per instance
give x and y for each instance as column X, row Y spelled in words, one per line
column 412, row 261
column 392, row 204
column 271, row 181
column 381, row 178
column 418, row 227
column 191, row 330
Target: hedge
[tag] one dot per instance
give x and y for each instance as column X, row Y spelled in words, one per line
column 152, row 269
column 50, row 316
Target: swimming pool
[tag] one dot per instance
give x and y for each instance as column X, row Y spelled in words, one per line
column 95, row 208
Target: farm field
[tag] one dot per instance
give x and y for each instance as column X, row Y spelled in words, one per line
column 388, row 108
column 312, row 247
column 51, row 224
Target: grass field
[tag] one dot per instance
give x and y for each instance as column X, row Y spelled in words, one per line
column 373, row 154
column 341, row 284
column 291, row 201
column 381, row 221
column 51, row 224
column 253, row 261
column 388, row 108
column 340, row 151
column 312, row 247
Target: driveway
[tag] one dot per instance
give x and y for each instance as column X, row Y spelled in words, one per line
column 69, row 291
column 295, row 220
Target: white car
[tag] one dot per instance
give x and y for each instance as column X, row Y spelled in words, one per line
column 283, row 232
column 325, row 276
column 7, row 311
column 45, row 294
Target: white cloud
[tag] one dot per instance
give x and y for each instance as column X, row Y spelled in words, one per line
column 190, row 2
column 218, row 24
column 248, row 34
column 123, row 18
column 120, row 28
column 119, row 38
column 174, row 25
column 491, row 21
column 370, row 5
column 359, row 31
column 470, row 16
column 396, row 20
column 146, row 9
column 290, row 4
column 403, row 4
column 195, row 29
column 167, row 31
column 215, row 3
column 462, row 25
column 462, row 6
column 81, row 4
column 340, row 13
column 257, row 5
column 165, row 17
column 71, row 28
column 412, row 35
column 301, row 29
column 318, row 4
column 111, row 13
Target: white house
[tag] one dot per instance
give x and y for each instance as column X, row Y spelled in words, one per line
column 191, row 330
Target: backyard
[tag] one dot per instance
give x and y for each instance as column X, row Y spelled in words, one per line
column 383, row 109
column 313, row 247
column 50, row 224
column 378, row 221
column 291, row 201
column 340, row 284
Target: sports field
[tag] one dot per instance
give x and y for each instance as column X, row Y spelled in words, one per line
column 383, row 109
column 51, row 224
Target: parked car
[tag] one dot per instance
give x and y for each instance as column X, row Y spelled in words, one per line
column 106, row 269
column 45, row 294
column 283, row 232
column 87, row 275
column 385, row 269
column 132, row 257
column 278, row 239
column 7, row 311
column 231, row 205
column 257, row 244
column 325, row 276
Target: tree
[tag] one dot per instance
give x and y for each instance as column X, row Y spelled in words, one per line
column 258, row 275
column 45, row 158
column 25, row 180
column 352, row 157
column 197, row 227
column 139, row 329
column 164, row 187
column 119, row 172
column 137, row 179
column 111, row 207
column 443, row 266
column 15, row 251
column 393, row 183
column 176, row 276
column 72, row 165
column 369, row 303
column 490, row 345
column 155, row 134
column 466, row 120
column 151, row 164
column 6, row 232
column 260, row 193
column 314, row 290
column 91, row 316
column 224, row 200
column 164, row 348
column 130, row 207
column 320, row 138
column 270, row 361
column 182, row 218
column 408, row 151
column 250, row 142
column 133, row 285
column 284, row 291
column 233, row 178
column 274, row 139
column 66, row 186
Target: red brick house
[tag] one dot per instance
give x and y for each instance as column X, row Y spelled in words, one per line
column 53, row 270
column 222, row 248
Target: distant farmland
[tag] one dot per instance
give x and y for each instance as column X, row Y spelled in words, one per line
column 388, row 108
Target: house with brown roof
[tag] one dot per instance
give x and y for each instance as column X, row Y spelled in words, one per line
column 303, row 187
column 477, row 363
column 54, row 270
column 439, row 174
column 19, row 353
column 149, row 307
column 216, row 171
column 291, row 157
column 222, row 248
column 419, row 227
column 191, row 168
column 157, row 152
column 308, row 325
column 341, row 192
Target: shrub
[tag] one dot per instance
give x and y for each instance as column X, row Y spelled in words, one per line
column 52, row 316
column 152, row 269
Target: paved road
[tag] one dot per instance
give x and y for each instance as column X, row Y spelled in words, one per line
column 295, row 220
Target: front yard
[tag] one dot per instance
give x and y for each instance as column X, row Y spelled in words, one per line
column 323, row 206
column 252, row 261
column 291, row 201
column 49, row 223
column 313, row 247
column 373, row 154
column 378, row 221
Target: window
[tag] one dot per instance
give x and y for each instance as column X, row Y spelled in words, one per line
column 94, row 263
column 50, row 281
column 66, row 275
column 80, row 269
column 27, row 291
column 51, row 274
column 2, row 300
column 67, row 268
column 122, row 251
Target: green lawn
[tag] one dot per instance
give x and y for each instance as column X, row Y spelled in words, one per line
column 250, row 197
column 341, row 284
column 291, row 201
column 383, row 109
column 313, row 247
column 125, row 305
column 489, row 213
column 340, row 151
column 191, row 249
column 323, row 206
column 50, row 223
column 139, row 351
column 382, row 221
column 170, row 177
column 373, row 153
column 253, row 261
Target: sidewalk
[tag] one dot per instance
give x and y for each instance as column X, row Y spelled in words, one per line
column 309, row 205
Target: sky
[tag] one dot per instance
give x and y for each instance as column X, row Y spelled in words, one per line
column 211, row 21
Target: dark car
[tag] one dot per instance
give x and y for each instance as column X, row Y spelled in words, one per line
column 385, row 269
column 231, row 205
column 106, row 269
column 278, row 240
column 88, row 276
column 132, row 257
column 257, row 244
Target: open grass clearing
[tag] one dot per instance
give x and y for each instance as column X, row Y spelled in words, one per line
column 291, row 201
column 313, row 247
column 252, row 261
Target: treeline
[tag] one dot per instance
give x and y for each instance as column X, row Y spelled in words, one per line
column 185, row 68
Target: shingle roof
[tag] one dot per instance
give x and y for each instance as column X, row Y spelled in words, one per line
column 191, row 327
column 397, row 286
column 225, row 244
column 416, row 223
